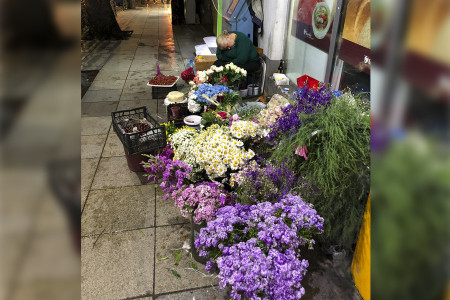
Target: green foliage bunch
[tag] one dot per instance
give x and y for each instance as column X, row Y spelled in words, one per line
column 337, row 166
column 410, row 221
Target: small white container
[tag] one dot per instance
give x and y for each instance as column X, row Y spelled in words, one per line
column 193, row 121
column 243, row 93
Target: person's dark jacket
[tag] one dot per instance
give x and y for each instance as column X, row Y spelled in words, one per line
column 242, row 52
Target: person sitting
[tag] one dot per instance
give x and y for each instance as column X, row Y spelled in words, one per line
column 237, row 48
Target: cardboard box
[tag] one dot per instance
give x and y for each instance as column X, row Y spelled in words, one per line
column 204, row 62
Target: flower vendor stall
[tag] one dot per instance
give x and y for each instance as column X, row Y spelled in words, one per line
column 265, row 182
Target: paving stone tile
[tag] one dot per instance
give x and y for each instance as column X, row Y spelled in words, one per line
column 92, row 145
column 143, row 65
column 172, row 65
column 143, row 95
column 151, row 42
column 98, row 109
column 84, row 195
column 94, row 62
column 113, row 172
column 187, row 52
column 136, row 85
column 146, row 52
column 95, row 125
column 209, row 293
column 113, row 145
column 168, row 50
column 106, row 75
column 144, row 75
column 150, row 104
column 117, row 66
column 116, row 57
column 167, row 239
column 117, row 266
column 102, row 95
column 107, row 85
column 123, row 51
column 123, row 208
column 166, row 212
column 147, row 57
column 88, row 167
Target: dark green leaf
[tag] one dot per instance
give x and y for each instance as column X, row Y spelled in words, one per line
column 175, row 273
column 193, row 266
column 178, row 254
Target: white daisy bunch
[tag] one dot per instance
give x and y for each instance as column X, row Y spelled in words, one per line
column 216, row 150
column 245, row 129
column 182, row 142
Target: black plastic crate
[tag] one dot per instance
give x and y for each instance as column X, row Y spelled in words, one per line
column 161, row 92
column 145, row 141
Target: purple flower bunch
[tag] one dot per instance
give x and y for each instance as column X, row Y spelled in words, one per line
column 252, row 274
column 171, row 174
column 201, row 200
column 277, row 229
column 256, row 184
column 307, row 101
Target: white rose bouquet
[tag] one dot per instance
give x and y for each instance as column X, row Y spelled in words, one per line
column 228, row 75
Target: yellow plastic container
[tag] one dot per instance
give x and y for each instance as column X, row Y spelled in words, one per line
column 361, row 259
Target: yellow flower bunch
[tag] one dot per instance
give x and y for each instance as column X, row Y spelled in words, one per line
column 216, row 150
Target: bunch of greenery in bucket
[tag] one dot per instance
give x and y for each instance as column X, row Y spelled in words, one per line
column 257, row 248
column 170, row 174
column 249, row 112
column 170, row 128
column 326, row 139
column 210, row 117
column 201, row 200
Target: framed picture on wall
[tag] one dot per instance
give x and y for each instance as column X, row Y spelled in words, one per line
column 355, row 45
column 313, row 21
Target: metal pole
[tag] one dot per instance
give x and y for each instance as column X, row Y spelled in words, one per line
column 334, row 35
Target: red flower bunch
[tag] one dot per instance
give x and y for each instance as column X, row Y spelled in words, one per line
column 188, row 75
column 224, row 79
column 222, row 114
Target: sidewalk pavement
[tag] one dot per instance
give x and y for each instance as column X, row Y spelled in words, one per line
column 127, row 227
